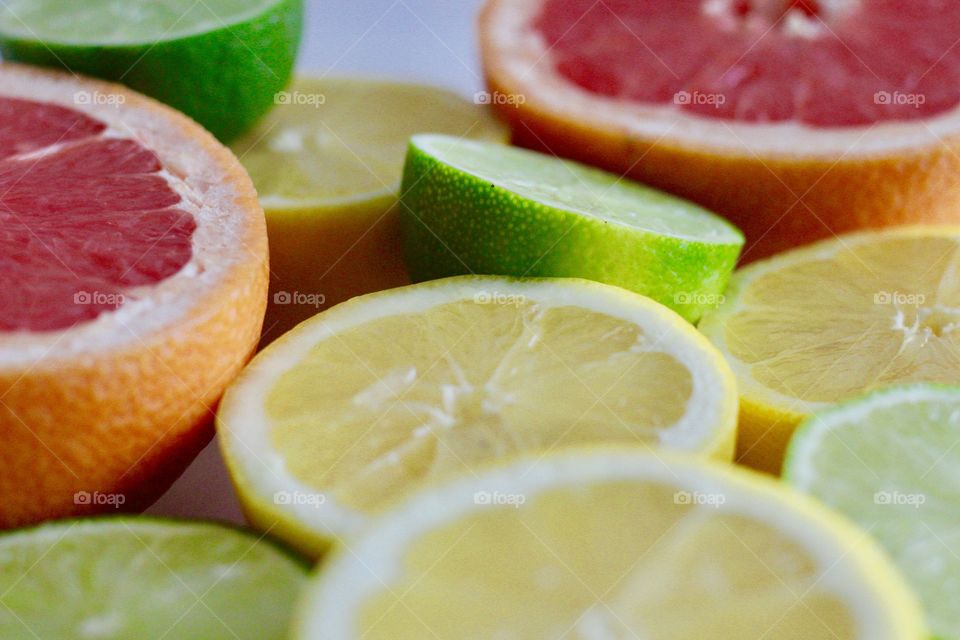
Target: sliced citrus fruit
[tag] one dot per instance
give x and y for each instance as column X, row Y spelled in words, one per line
column 797, row 119
column 219, row 61
column 326, row 163
column 818, row 325
column 474, row 207
column 609, row 544
column 134, row 263
column 889, row 461
column 119, row 578
column 353, row 408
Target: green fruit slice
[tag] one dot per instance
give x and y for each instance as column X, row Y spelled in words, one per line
column 890, row 461
column 475, row 207
column 121, row 578
column 219, row 61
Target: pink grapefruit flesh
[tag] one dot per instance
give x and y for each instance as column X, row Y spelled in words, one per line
column 822, row 63
column 84, row 218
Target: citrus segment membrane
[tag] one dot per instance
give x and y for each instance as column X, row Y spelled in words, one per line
column 604, row 544
column 84, row 218
column 823, row 63
column 890, row 461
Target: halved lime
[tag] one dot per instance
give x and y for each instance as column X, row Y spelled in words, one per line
column 890, row 461
column 219, row 61
column 122, row 578
column 475, row 207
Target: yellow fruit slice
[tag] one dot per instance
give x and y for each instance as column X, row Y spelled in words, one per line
column 606, row 543
column 327, row 163
column 359, row 405
column 817, row 325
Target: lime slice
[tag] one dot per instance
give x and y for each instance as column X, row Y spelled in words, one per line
column 814, row 326
column 609, row 544
column 472, row 207
column 121, row 578
column 327, row 165
column 221, row 62
column 359, row 405
column 890, row 461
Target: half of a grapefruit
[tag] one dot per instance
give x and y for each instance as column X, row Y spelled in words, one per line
column 797, row 119
column 133, row 279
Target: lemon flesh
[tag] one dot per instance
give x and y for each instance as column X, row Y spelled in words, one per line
column 609, row 544
column 817, row 325
column 393, row 390
column 327, row 163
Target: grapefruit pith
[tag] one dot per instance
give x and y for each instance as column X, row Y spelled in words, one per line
column 134, row 267
column 796, row 119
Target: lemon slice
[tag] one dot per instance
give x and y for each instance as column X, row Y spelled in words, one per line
column 817, row 325
column 609, row 544
column 351, row 410
column 327, row 163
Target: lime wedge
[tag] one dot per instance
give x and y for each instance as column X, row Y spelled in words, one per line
column 219, row 61
column 890, row 461
column 474, row 207
column 122, row 578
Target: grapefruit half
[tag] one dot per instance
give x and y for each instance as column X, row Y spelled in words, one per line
column 133, row 263
column 797, row 119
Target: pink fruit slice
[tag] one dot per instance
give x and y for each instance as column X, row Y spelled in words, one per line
column 83, row 218
column 827, row 63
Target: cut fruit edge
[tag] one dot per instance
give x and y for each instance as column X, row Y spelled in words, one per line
column 758, row 396
column 517, row 60
column 715, row 229
column 229, row 243
column 810, row 434
column 370, row 563
column 260, row 473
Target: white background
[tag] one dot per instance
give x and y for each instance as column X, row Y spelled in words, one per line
column 421, row 40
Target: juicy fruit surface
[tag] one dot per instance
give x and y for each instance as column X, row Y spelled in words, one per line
column 847, row 316
column 824, row 64
column 890, row 462
column 340, row 139
column 609, row 545
column 142, row 578
column 587, row 191
column 85, row 218
column 121, row 21
column 393, row 390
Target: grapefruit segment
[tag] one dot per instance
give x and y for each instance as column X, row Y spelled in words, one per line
column 796, row 120
column 133, row 261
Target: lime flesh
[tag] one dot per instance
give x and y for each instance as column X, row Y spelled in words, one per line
column 122, row 578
